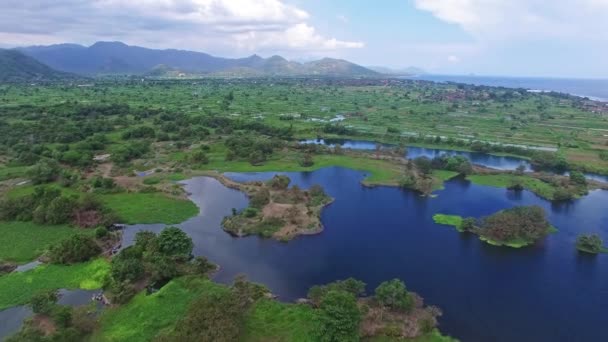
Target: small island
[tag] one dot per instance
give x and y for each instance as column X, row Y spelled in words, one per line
column 276, row 210
column 591, row 244
column 515, row 227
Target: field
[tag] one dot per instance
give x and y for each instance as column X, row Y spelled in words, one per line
column 370, row 109
column 133, row 208
column 144, row 317
column 18, row 288
column 21, row 242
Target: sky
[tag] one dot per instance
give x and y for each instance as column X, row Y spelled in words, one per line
column 550, row 38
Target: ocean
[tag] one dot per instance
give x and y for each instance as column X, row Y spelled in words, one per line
column 595, row 89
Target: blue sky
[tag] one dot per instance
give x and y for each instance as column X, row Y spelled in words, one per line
column 559, row 38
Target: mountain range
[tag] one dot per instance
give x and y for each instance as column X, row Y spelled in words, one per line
column 17, row 67
column 119, row 58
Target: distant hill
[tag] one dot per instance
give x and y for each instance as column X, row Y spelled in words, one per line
column 119, row 58
column 17, row 67
column 410, row 71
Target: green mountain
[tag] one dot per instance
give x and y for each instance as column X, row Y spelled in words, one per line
column 17, row 67
column 119, row 58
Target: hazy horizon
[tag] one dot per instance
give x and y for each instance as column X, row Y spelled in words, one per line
column 518, row 38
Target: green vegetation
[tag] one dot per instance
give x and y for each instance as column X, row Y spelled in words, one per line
column 448, row 220
column 19, row 288
column 75, row 249
column 592, row 244
column 133, row 208
column 549, row 187
column 17, row 67
column 276, row 210
column 269, row 319
column 515, row 227
column 434, row 336
column 21, row 242
column 161, row 311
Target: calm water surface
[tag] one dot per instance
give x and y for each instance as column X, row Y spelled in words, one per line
column 596, row 89
column 12, row 319
column 477, row 158
column 548, row 292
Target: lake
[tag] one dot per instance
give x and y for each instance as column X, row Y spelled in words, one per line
column 12, row 318
column 507, row 163
column 547, row 292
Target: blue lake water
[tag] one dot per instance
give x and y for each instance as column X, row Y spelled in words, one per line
column 596, row 89
column 477, row 158
column 548, row 292
column 12, row 319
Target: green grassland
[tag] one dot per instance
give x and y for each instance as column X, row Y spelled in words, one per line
column 17, row 288
column 276, row 321
column 21, row 242
column 508, row 116
column 543, row 189
column 448, row 220
column 155, row 207
column 146, row 316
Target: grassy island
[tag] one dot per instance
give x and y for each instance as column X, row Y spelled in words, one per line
column 591, row 244
column 276, row 210
column 515, row 227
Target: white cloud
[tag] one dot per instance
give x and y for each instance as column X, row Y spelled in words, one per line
column 342, row 18
column 221, row 26
column 528, row 19
column 453, row 59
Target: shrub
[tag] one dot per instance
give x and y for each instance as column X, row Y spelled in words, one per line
column 350, row 285
column 250, row 212
column 578, row 177
column 260, row 198
column 589, row 243
column 172, row 241
column 394, row 295
column 78, row 248
column 126, row 269
column 101, row 232
column 44, row 302
column 339, row 317
column 279, row 182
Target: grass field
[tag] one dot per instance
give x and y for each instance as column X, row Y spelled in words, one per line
column 380, row 172
column 448, row 220
column 21, row 242
column 537, row 186
column 145, row 316
column 271, row 320
column 154, row 207
column 17, row 288
column 434, row 336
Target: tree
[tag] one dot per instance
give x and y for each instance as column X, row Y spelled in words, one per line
column 126, row 269
column 350, row 285
column 44, row 302
column 44, row 171
column 394, row 295
column 78, row 248
column 279, row 182
column 307, row 160
column 260, row 198
column 423, row 164
column 589, row 243
column 173, row 241
column 527, row 223
column 468, row 224
column 198, row 157
column 578, row 177
column 339, row 317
